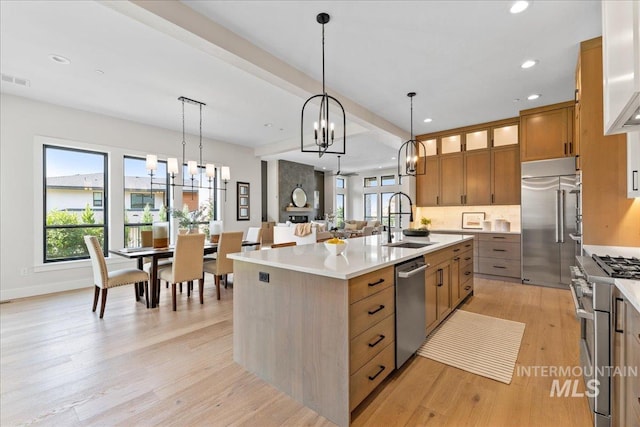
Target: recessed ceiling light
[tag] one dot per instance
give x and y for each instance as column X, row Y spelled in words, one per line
column 529, row 63
column 268, row 125
column 519, row 6
column 324, row 168
column 393, row 158
column 59, row 59
column 428, row 120
column 99, row 72
column 637, row 117
column 533, row 96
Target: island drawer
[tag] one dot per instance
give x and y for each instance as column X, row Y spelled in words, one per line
column 371, row 375
column 369, row 311
column 370, row 283
column 371, row 342
column 466, row 258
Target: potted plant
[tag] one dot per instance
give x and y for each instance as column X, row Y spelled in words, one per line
column 188, row 220
column 425, row 223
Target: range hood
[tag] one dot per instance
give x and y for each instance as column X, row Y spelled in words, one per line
column 621, row 66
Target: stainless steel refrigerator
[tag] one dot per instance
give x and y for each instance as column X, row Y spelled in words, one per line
column 550, row 213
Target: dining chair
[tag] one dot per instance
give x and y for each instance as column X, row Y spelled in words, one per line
column 104, row 279
column 186, row 266
column 229, row 243
column 254, row 234
column 282, row 245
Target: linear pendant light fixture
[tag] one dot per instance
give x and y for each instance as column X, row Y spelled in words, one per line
column 409, row 151
column 324, row 128
column 193, row 167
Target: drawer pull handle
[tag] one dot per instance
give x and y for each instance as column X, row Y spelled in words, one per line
column 371, row 313
column 457, row 258
column 467, row 258
column 466, row 273
column 500, row 250
column 376, row 283
column 382, row 368
column 456, row 250
column 498, row 237
column 498, row 266
column 466, row 288
column 380, row 338
column 467, row 246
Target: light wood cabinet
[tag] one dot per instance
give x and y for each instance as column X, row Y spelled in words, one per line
column 626, row 353
column 499, row 254
column 428, row 185
column 448, row 280
column 505, row 175
column 547, row 132
column 466, row 170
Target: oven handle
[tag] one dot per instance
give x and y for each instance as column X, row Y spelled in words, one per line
column 580, row 312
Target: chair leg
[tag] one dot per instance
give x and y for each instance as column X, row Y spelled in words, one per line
column 96, row 294
column 225, row 281
column 173, row 295
column 104, row 301
column 201, row 289
column 180, row 287
column 158, row 283
column 217, row 280
column 146, row 293
column 135, row 291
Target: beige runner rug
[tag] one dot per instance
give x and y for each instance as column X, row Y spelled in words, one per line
column 479, row 344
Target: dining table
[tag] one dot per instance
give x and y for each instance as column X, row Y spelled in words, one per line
column 139, row 253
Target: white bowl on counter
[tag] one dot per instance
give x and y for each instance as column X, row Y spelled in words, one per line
column 336, row 248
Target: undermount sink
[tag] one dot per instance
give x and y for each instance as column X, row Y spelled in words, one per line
column 409, row 245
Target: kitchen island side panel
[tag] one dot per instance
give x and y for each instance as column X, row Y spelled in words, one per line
column 293, row 333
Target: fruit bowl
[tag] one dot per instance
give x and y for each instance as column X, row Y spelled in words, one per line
column 335, row 246
column 415, row 232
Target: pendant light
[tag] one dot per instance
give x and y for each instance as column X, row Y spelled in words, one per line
column 409, row 152
column 193, row 167
column 324, row 128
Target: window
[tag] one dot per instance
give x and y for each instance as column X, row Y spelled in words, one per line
column 385, row 209
column 371, row 182
column 388, row 180
column 339, row 210
column 370, row 206
column 339, row 182
column 72, row 177
column 97, row 199
column 141, row 200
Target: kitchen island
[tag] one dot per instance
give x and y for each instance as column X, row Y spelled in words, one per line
column 321, row 327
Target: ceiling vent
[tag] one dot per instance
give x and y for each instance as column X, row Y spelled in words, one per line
column 16, row 80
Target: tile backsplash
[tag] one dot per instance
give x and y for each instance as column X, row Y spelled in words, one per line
column 450, row 217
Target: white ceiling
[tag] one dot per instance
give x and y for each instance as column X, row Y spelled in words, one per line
column 462, row 58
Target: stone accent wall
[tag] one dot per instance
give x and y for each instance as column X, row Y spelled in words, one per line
column 292, row 175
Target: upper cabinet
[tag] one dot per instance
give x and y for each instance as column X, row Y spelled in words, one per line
column 547, row 132
column 621, row 65
column 474, row 165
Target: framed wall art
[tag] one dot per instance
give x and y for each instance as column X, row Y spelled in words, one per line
column 472, row 220
column 242, row 213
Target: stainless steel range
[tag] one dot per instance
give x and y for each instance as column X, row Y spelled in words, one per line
column 592, row 290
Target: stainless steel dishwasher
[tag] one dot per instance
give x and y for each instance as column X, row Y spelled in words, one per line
column 410, row 308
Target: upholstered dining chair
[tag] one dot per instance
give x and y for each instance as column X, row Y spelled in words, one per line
column 229, row 243
column 187, row 264
column 254, row 234
column 104, row 279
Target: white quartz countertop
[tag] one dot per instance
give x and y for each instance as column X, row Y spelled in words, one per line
column 465, row 230
column 631, row 290
column 362, row 255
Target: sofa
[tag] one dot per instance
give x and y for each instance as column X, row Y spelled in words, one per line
column 363, row 227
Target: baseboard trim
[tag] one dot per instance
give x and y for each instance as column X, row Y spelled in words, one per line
column 49, row 288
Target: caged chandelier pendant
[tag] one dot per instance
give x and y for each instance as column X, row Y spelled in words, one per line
column 194, row 167
column 324, row 128
column 408, row 164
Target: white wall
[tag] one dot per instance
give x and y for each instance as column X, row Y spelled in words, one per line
column 25, row 126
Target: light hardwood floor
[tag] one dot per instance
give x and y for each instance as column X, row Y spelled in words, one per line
column 61, row 365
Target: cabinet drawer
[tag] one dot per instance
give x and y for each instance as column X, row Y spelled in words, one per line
column 369, row 311
column 500, row 249
column 370, row 375
column 466, row 288
column 499, row 267
column 499, row 237
column 466, row 258
column 633, row 323
column 370, row 283
column 371, row 342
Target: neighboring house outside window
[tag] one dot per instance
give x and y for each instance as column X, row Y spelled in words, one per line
column 97, row 199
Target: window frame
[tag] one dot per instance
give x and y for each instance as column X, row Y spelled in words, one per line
column 105, row 208
column 100, row 199
column 152, row 203
column 383, row 177
column 370, row 179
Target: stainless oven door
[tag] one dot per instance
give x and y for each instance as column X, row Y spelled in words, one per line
column 585, row 314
